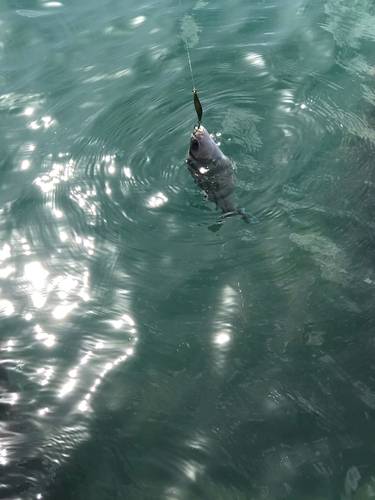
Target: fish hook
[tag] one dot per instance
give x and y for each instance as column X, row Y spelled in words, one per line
column 198, row 107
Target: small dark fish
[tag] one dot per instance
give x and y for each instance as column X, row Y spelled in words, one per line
column 198, row 107
column 212, row 171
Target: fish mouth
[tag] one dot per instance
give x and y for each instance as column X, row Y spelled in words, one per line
column 198, row 132
column 198, row 135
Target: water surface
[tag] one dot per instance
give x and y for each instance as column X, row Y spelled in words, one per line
column 150, row 350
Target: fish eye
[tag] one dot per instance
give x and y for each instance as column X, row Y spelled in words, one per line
column 194, row 144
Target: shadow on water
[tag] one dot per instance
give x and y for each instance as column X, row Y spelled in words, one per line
column 271, row 414
column 263, row 423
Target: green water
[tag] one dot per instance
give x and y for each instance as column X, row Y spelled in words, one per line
column 149, row 349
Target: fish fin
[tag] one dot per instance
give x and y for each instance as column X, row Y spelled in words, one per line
column 247, row 217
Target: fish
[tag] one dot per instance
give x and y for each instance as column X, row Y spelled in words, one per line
column 213, row 172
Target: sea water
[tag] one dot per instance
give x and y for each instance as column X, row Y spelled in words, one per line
column 149, row 349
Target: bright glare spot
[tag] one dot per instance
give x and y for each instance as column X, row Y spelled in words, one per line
column 203, row 170
column 34, row 125
column 303, row 106
column 38, row 300
column 99, row 345
column 73, row 373
column 128, row 319
column 61, row 311
column 157, row 201
column 129, row 352
column 14, row 399
column 28, row 316
column 78, row 240
column 68, row 284
column 6, row 307
column 222, row 338
column 53, row 4
column 39, row 496
column 138, row 20
column 108, row 366
column 63, row 236
column 25, row 165
column 5, row 252
column 10, row 342
column 108, row 190
column 35, row 273
column 255, row 60
column 84, row 295
column 117, row 324
column 120, row 74
column 127, row 172
column 83, row 405
column 29, row 111
column 32, row 147
column 4, row 273
column 58, row 214
column 50, row 341
column 111, row 169
column 84, row 360
column 190, row 470
column 288, row 97
column 43, row 411
column 88, row 244
column 67, row 388
column 3, row 454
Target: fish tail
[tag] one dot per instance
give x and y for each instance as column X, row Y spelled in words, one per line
column 248, row 218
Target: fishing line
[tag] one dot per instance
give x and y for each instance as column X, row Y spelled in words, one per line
column 187, row 50
column 197, row 104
